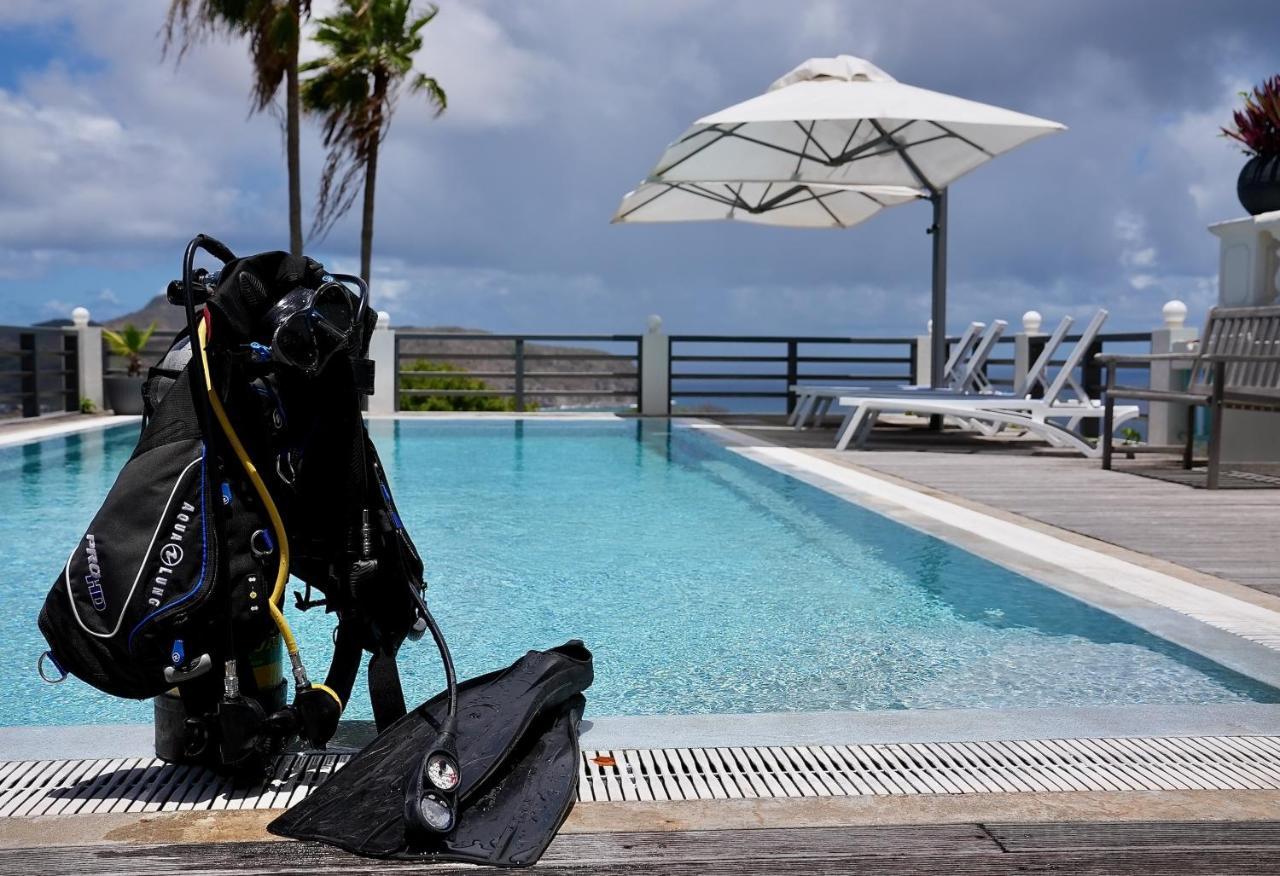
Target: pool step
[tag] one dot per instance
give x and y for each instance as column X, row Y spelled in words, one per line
column 1162, row 763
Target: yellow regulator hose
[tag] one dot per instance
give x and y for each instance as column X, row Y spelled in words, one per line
column 277, row 524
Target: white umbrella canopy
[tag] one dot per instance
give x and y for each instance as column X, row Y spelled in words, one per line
column 844, row 120
column 788, row 204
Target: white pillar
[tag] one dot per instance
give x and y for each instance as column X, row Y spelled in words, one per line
column 382, row 350
column 88, row 357
column 1167, row 422
column 1022, row 358
column 924, row 355
column 1249, row 276
column 655, row 371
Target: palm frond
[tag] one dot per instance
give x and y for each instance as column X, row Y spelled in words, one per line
column 369, row 48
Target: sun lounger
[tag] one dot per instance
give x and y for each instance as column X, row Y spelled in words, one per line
column 964, row 373
column 1039, row 416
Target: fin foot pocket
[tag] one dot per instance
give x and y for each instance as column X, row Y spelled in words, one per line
column 517, row 756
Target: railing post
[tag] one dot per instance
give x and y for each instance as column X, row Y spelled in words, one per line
column 384, row 351
column 655, row 370
column 793, row 375
column 29, row 365
column 519, row 366
column 88, row 358
column 70, row 374
column 1027, row 345
column 1167, row 422
column 921, row 355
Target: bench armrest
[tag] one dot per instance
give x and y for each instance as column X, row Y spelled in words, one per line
column 1258, row 358
column 1138, row 358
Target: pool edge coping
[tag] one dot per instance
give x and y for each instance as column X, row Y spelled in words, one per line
column 614, row 732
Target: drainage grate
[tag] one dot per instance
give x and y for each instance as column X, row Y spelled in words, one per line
column 1046, row 765
column 1190, row 763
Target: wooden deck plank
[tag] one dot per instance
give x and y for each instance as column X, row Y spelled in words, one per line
column 1226, row 533
column 1183, row 848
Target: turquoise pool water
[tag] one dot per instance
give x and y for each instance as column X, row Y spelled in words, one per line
column 704, row 582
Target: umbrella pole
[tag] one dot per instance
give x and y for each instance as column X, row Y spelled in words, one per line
column 938, row 337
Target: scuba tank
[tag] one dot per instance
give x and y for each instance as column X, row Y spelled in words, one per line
column 253, row 465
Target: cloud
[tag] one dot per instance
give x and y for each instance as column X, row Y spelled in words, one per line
column 496, row 213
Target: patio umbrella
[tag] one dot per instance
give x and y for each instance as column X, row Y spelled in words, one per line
column 844, row 121
column 767, row 203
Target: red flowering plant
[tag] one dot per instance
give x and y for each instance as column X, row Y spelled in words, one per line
column 1257, row 126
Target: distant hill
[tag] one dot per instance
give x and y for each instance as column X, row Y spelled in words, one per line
column 167, row 317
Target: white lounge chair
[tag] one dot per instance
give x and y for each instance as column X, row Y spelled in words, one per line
column 1038, row 416
column 964, row 373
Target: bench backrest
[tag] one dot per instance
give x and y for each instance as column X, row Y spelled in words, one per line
column 1247, row 341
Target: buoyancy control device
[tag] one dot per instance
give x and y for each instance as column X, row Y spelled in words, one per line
column 253, row 464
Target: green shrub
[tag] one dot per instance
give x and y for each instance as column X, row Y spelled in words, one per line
column 447, row 376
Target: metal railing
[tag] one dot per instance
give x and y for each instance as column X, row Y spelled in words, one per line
column 38, row 371
column 759, row 368
column 516, row 371
column 752, row 373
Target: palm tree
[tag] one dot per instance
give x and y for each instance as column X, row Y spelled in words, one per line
column 370, row 46
column 273, row 28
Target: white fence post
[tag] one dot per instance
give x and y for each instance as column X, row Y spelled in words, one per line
column 923, row 348
column 382, row 350
column 88, row 357
column 655, row 371
column 1167, row 421
column 1022, row 358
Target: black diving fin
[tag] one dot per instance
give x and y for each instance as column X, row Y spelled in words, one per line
column 517, row 754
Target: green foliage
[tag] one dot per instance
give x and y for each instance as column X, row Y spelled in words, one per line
column 130, row 342
column 369, row 47
column 447, row 376
column 1256, row 127
column 87, row 406
column 271, row 26
column 1130, row 435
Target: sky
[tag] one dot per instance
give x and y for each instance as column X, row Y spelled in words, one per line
column 496, row 215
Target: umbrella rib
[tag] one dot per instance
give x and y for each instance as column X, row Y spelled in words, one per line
column 906, row 159
column 775, row 202
column 721, row 131
column 817, row 197
column 659, row 194
column 858, row 124
column 804, row 150
column 847, row 156
column 961, row 138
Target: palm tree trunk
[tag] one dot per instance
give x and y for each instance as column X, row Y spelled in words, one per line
column 293, row 111
column 371, row 176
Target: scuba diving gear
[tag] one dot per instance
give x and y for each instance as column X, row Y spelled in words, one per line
column 517, row 755
column 310, row 325
column 254, row 464
column 251, row 466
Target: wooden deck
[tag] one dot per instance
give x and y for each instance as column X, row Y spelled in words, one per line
column 989, row 849
column 1231, row 534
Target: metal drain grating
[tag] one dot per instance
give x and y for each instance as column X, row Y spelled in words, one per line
column 1044, row 765
column 82, row 787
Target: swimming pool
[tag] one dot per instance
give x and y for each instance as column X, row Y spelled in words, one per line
column 704, row 582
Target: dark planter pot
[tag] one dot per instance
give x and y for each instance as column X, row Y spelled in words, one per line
column 1259, row 184
column 124, row 394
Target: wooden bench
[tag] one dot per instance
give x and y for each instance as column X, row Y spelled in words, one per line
column 1235, row 365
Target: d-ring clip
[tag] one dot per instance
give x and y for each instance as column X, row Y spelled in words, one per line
column 48, row 655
